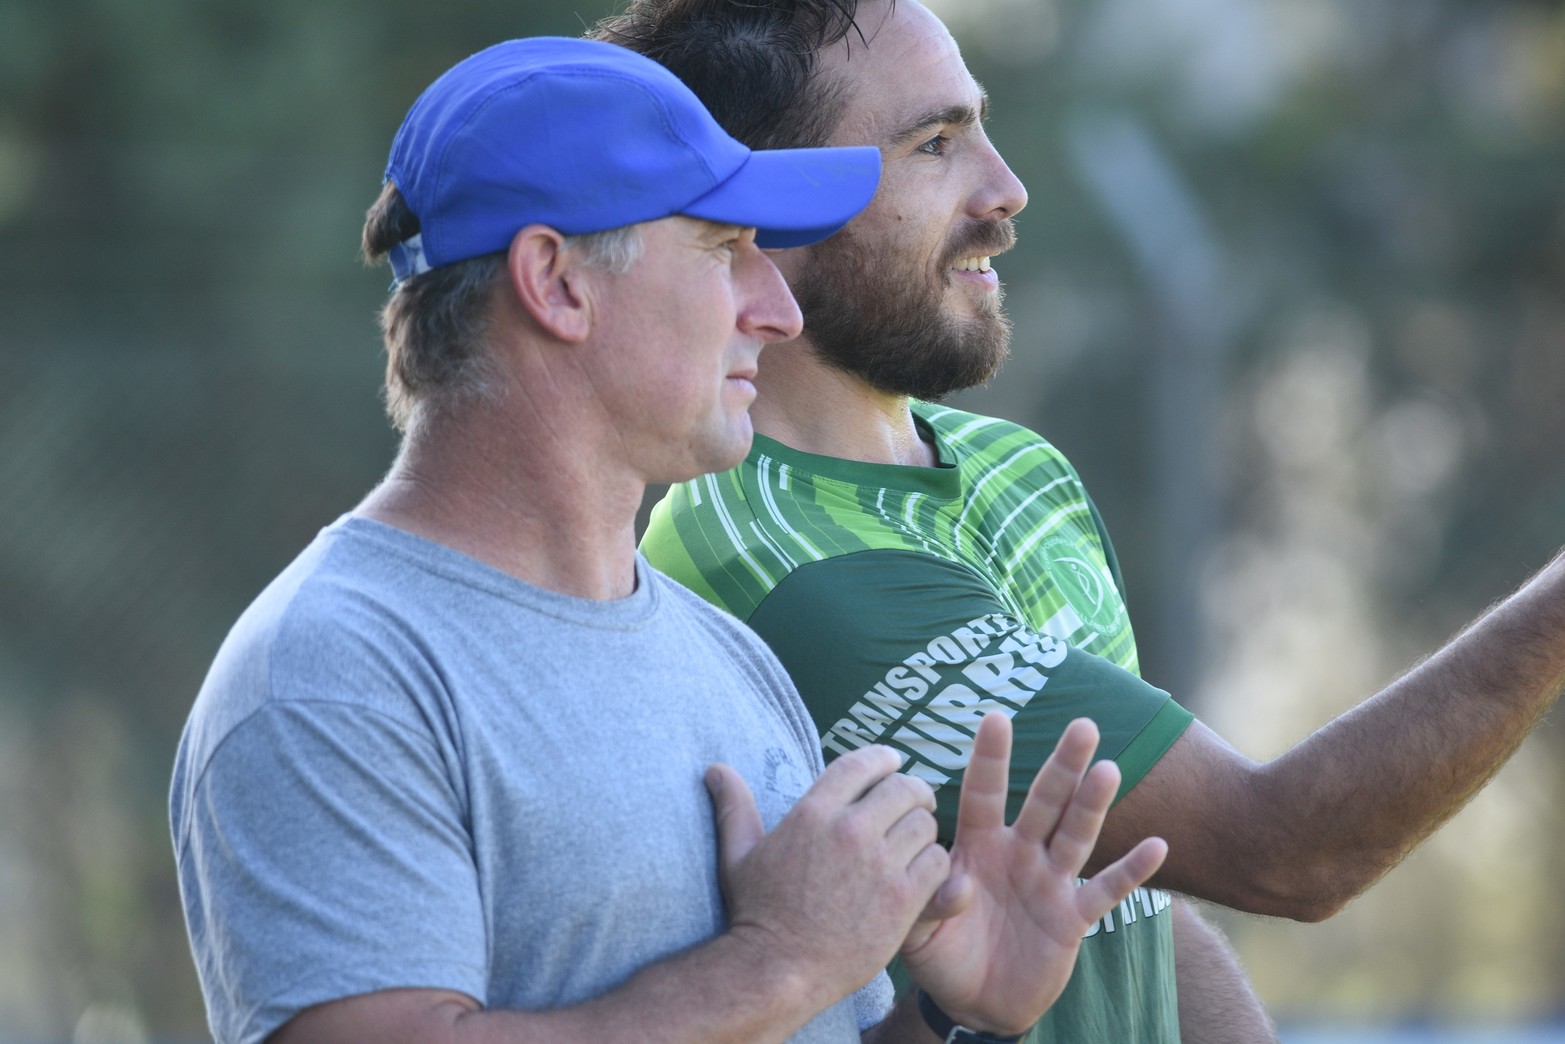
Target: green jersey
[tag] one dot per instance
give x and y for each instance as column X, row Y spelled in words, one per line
column 906, row 603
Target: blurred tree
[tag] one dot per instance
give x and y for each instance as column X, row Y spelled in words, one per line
column 1288, row 292
column 1380, row 191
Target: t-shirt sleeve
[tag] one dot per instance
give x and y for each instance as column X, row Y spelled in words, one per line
column 1108, row 545
column 911, row 650
column 325, row 856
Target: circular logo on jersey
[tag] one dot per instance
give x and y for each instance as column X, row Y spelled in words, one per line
column 1086, row 585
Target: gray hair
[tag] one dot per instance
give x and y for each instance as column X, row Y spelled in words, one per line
column 436, row 324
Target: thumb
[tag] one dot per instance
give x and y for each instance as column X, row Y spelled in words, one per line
column 953, row 896
column 738, row 821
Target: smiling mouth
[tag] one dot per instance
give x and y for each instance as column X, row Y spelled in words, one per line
column 971, row 264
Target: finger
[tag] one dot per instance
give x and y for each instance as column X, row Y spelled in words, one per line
column 1055, row 784
column 928, row 872
column 738, row 821
column 986, row 781
column 885, row 805
column 909, row 836
column 1111, row 885
column 954, row 895
column 847, row 778
column 1077, row 833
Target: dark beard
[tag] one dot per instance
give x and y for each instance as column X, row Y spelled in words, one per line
column 871, row 313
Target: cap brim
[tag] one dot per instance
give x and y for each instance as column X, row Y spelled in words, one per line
column 794, row 197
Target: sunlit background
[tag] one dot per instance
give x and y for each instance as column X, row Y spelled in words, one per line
column 1290, row 291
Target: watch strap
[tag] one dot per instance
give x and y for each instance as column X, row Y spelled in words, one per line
column 947, row 1029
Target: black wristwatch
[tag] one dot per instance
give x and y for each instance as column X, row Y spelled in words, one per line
column 947, row 1029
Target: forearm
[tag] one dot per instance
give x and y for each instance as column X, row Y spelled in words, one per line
column 722, row 991
column 1375, row 782
column 1217, row 1004
column 727, row 990
column 1302, row 835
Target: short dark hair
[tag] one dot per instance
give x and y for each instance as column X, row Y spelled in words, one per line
column 751, row 62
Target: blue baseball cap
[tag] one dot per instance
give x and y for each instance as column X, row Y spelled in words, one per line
column 585, row 136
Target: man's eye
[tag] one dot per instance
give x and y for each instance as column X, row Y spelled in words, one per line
column 735, row 243
column 935, row 146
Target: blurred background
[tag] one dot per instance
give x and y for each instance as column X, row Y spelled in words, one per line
column 1290, row 291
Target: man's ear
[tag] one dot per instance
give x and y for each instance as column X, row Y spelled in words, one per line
column 550, row 282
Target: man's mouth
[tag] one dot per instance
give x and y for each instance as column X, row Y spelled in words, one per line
column 985, row 241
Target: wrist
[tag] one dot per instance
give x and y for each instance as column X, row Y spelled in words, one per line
column 951, row 1031
column 786, row 977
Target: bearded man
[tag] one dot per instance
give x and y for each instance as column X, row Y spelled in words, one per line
column 915, row 566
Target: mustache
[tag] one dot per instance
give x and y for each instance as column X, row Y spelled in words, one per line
column 982, row 239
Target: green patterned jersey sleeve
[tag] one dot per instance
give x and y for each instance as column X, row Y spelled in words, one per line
column 911, row 650
column 1109, row 557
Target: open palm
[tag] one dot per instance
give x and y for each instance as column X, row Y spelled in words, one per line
column 1003, row 933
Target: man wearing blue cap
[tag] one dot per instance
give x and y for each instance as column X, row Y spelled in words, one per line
column 444, row 780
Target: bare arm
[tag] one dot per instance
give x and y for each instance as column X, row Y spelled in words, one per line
column 1303, row 834
column 701, row 995
column 1217, row 1004
column 818, row 907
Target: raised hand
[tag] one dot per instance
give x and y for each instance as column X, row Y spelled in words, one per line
column 834, row 889
column 998, row 943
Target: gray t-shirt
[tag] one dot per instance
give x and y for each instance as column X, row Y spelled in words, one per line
column 408, row 769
